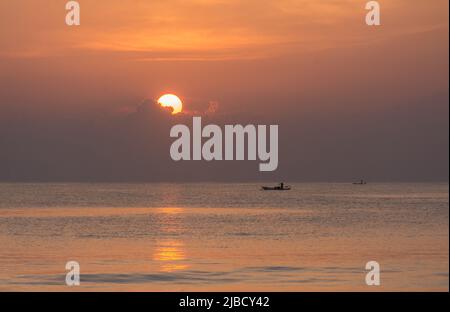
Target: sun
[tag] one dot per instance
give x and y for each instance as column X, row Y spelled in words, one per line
column 171, row 100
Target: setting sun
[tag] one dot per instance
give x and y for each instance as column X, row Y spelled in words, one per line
column 171, row 100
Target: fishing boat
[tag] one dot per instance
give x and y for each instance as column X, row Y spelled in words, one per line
column 280, row 187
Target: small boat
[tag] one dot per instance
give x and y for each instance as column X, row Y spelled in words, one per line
column 275, row 188
column 280, row 187
column 362, row 182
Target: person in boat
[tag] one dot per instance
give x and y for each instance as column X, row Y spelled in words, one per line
column 281, row 185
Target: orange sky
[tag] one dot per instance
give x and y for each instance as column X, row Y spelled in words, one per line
column 292, row 62
column 136, row 42
column 207, row 29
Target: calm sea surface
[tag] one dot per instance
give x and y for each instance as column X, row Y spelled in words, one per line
column 189, row 237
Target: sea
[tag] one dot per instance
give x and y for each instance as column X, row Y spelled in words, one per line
column 224, row 236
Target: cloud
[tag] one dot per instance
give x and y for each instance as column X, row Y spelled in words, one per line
column 213, row 107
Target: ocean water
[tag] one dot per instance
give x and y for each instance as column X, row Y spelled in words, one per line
column 210, row 237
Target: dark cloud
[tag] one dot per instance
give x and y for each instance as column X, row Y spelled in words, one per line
column 406, row 142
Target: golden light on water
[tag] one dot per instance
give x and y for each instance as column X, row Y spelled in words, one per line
column 170, row 255
column 171, row 100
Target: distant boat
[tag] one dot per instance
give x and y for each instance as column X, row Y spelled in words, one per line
column 362, row 182
column 280, row 187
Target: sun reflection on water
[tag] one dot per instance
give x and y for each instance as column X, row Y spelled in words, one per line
column 170, row 254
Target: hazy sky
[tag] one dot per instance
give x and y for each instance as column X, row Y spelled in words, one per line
column 351, row 101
